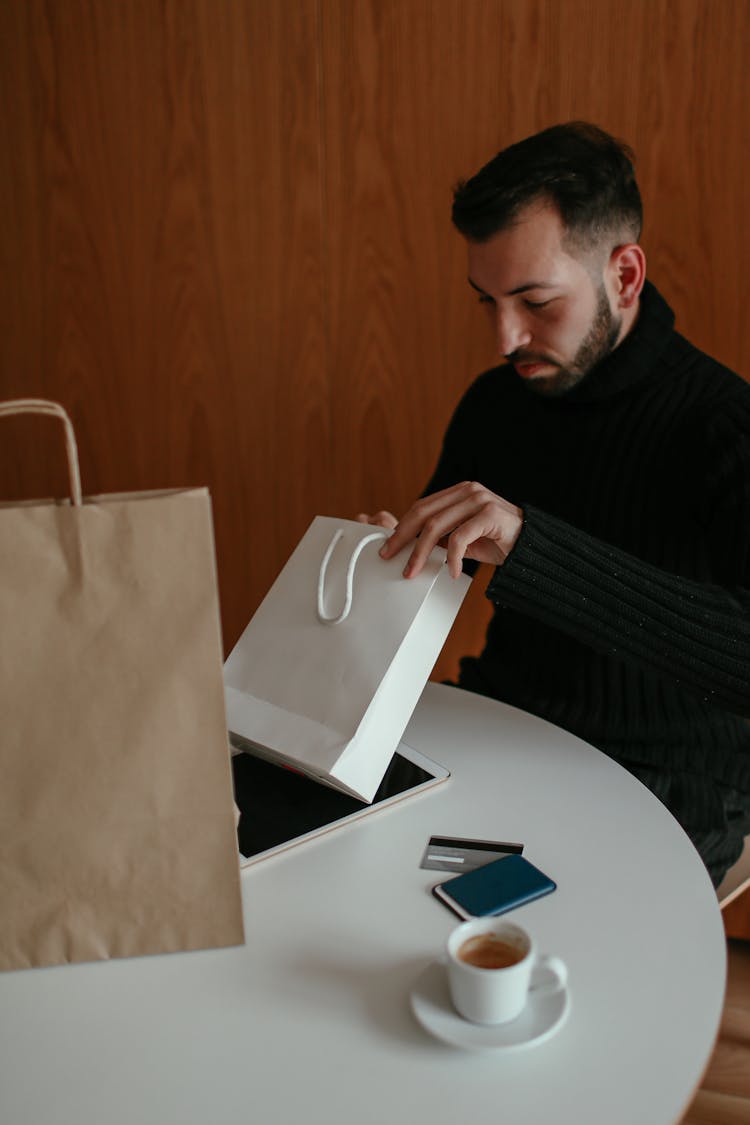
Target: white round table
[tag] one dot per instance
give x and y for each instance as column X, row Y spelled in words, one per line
column 310, row 1021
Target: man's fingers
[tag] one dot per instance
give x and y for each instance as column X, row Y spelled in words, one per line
column 379, row 519
column 414, row 523
column 416, row 520
column 438, row 527
column 467, row 520
column 482, row 528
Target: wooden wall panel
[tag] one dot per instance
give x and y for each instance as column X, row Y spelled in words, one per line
column 270, row 393
column 164, row 276
column 736, row 917
column 225, row 240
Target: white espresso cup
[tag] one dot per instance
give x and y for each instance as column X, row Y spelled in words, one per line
column 490, row 967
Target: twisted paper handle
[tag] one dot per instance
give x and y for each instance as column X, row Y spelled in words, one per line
column 322, row 616
column 44, row 406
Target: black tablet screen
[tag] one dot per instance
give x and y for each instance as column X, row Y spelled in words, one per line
column 278, row 805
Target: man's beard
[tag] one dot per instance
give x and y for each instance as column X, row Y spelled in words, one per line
column 596, row 345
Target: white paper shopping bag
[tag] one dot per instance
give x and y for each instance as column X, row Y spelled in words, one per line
column 327, row 674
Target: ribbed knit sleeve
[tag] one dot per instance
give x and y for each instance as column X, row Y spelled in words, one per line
column 695, row 635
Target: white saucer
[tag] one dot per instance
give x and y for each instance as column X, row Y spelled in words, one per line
column 431, row 1003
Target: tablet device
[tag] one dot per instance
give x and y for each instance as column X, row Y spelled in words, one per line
column 281, row 808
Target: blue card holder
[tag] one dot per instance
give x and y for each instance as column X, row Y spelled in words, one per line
column 497, row 887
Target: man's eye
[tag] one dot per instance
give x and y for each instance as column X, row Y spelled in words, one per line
column 485, row 300
column 537, row 304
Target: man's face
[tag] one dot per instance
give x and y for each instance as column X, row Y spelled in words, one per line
column 551, row 310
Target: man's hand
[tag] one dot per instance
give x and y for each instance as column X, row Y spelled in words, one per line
column 380, row 519
column 467, row 519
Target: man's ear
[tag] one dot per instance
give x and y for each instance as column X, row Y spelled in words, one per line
column 627, row 266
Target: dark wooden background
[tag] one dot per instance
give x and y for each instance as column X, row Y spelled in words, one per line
column 225, row 241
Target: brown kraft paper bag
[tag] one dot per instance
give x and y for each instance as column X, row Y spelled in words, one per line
column 117, row 833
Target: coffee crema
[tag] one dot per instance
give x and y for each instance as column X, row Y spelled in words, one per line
column 486, row 951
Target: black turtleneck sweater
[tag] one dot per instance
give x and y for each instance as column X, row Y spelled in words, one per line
column 623, row 611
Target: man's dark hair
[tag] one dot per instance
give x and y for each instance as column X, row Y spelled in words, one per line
column 583, row 171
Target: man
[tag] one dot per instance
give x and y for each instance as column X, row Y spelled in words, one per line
column 604, row 470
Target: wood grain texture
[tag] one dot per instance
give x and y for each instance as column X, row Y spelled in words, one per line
column 166, row 185
column 225, row 238
column 737, row 917
column 729, row 1070
column 710, row 1108
column 270, row 397
column 724, row 1096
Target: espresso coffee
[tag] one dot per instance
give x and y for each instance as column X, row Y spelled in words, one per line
column 486, row 951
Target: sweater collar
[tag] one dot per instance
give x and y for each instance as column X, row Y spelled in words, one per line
column 633, row 359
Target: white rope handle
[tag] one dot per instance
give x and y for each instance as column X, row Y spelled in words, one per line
column 322, row 616
column 44, row 406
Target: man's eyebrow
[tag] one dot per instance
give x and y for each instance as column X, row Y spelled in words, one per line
column 519, row 289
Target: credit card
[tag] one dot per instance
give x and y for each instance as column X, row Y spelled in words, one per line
column 452, row 853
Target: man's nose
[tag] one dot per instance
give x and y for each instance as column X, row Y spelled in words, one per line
column 512, row 332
